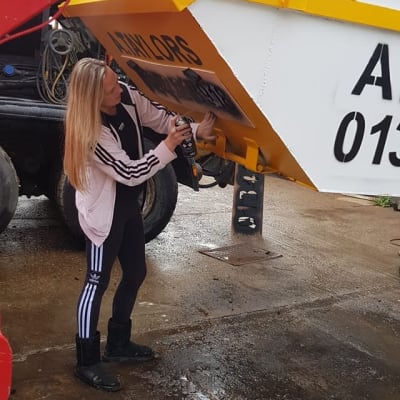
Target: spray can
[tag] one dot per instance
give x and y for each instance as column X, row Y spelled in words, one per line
column 188, row 146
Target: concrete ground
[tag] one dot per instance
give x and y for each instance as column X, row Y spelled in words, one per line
column 321, row 321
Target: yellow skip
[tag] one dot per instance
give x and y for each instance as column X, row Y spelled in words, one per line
column 305, row 88
column 78, row 8
column 346, row 10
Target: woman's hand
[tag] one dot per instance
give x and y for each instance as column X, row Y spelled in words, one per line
column 205, row 128
column 177, row 134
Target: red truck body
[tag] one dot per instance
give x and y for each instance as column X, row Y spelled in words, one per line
column 14, row 14
column 5, row 367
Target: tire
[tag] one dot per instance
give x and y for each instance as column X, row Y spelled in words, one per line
column 9, row 190
column 65, row 199
column 158, row 205
column 160, row 201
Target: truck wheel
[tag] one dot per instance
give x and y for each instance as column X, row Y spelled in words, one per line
column 161, row 198
column 9, row 190
column 65, row 199
column 158, row 207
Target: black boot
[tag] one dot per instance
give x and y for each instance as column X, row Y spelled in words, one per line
column 90, row 369
column 120, row 348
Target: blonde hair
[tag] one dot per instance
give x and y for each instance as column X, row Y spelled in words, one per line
column 83, row 118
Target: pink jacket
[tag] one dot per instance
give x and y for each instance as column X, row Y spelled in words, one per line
column 110, row 163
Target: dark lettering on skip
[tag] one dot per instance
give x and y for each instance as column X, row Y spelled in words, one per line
column 188, row 87
column 155, row 47
column 355, row 129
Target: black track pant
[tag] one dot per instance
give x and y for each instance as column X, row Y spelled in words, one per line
column 125, row 241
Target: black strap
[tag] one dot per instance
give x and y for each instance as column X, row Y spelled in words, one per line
column 125, row 96
column 126, row 99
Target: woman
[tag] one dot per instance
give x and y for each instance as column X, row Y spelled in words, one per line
column 105, row 163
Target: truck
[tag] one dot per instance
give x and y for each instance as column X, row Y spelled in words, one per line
column 304, row 89
column 38, row 48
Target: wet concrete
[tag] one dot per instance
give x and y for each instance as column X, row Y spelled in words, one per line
column 320, row 322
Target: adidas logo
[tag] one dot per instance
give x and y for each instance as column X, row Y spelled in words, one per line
column 94, row 278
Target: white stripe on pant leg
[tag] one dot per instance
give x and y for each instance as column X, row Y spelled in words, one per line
column 92, row 255
column 97, row 267
column 80, row 307
column 90, row 290
column 100, row 265
column 86, row 299
column 96, row 258
column 93, row 258
column 94, row 287
column 85, row 306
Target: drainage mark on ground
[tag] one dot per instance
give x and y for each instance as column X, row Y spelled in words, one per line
column 240, row 254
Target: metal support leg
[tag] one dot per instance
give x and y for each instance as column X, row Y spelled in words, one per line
column 248, row 201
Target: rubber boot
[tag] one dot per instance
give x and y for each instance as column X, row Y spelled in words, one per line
column 119, row 346
column 90, row 369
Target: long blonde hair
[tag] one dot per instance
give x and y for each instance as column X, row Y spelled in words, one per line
column 83, row 118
